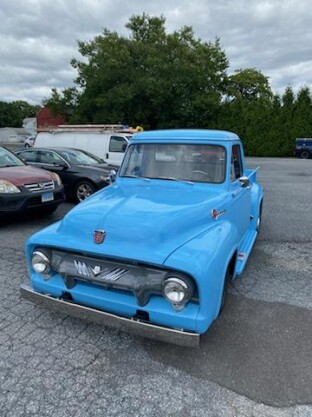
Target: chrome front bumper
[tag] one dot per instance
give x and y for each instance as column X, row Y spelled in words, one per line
column 151, row 331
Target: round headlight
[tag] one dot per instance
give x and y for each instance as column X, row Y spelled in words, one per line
column 40, row 262
column 176, row 291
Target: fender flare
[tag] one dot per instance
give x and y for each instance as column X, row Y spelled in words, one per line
column 206, row 258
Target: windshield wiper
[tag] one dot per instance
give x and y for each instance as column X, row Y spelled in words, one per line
column 135, row 176
column 173, row 179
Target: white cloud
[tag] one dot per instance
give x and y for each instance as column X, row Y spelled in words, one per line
column 38, row 38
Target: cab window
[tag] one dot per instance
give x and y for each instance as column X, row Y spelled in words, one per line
column 236, row 165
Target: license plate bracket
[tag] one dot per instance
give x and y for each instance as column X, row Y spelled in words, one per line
column 47, row 197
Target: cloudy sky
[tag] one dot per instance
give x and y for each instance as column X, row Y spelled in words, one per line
column 38, row 38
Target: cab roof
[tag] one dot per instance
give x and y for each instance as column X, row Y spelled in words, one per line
column 185, row 135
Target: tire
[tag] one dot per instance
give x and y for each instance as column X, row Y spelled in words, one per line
column 83, row 190
column 258, row 225
column 27, row 145
column 305, row 155
column 225, row 290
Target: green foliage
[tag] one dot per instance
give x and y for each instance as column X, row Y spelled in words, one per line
column 160, row 80
column 13, row 113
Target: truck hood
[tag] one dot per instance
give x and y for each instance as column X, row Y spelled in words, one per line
column 141, row 222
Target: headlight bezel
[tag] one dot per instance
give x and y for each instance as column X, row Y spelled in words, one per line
column 44, row 255
column 177, row 284
column 57, row 178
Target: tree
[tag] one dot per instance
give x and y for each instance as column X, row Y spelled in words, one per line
column 13, row 113
column 150, row 78
column 249, row 84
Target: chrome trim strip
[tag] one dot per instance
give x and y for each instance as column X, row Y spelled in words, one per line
column 40, row 186
column 123, row 324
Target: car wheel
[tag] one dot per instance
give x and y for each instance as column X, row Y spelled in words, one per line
column 305, row 155
column 225, row 290
column 83, row 190
column 27, row 145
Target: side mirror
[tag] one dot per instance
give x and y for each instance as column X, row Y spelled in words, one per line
column 244, row 181
column 112, row 176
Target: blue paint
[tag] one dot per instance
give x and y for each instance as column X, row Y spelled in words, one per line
column 165, row 224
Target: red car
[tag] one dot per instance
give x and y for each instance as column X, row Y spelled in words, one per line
column 24, row 188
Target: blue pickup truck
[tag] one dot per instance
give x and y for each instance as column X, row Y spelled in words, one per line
column 154, row 252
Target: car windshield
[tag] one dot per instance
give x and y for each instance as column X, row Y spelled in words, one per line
column 7, row 159
column 78, row 157
column 184, row 162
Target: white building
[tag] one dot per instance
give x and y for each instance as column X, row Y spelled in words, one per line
column 13, row 134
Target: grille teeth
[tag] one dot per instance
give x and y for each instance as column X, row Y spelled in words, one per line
column 114, row 274
column 40, row 186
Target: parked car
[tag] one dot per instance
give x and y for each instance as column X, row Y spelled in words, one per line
column 29, row 142
column 154, row 253
column 24, row 188
column 303, row 148
column 81, row 172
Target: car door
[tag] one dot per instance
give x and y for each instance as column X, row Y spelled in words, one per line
column 52, row 161
column 241, row 196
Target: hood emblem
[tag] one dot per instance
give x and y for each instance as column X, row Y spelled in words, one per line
column 99, row 236
column 97, row 270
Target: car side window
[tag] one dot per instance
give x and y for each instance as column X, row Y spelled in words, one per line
column 48, row 157
column 236, row 165
column 117, row 144
column 28, row 156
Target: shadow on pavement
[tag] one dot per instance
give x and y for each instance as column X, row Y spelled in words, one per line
column 258, row 349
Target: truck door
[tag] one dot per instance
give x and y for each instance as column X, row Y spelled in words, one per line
column 241, row 196
column 116, row 150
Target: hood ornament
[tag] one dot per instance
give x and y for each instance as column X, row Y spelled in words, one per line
column 99, row 236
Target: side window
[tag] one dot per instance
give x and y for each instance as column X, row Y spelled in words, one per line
column 28, row 156
column 48, row 157
column 117, row 144
column 236, row 166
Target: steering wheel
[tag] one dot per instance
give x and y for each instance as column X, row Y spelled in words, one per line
column 199, row 175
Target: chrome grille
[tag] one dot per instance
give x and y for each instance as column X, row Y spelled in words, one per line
column 40, row 186
column 106, row 274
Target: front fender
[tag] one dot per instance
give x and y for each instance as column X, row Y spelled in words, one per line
column 206, row 258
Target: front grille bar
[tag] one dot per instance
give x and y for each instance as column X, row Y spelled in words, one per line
column 40, row 186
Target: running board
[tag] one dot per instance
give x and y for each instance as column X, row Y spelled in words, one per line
column 245, row 250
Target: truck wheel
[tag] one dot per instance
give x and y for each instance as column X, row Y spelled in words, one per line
column 305, row 155
column 225, row 290
column 83, row 190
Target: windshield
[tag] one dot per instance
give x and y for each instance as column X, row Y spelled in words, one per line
column 7, row 159
column 78, row 157
column 185, row 162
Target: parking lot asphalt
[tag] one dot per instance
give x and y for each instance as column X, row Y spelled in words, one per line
column 256, row 360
